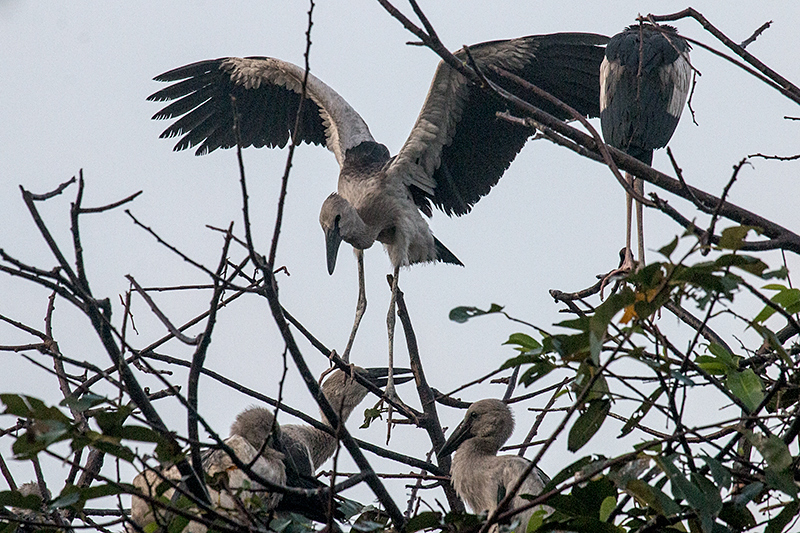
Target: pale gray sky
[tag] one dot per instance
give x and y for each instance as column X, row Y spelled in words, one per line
column 74, row 81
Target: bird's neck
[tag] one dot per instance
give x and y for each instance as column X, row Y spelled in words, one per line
column 324, row 449
column 354, row 230
column 326, row 443
column 478, row 447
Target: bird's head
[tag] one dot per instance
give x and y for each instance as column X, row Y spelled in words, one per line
column 488, row 421
column 344, row 393
column 256, row 425
column 330, row 216
column 340, row 222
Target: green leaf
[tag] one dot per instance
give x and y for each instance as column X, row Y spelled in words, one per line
column 369, row 416
column 602, row 317
column 667, row 250
column 587, row 424
column 349, row 508
column 710, row 492
column 366, row 526
column 682, row 488
column 654, row 497
column 536, row 520
column 15, row 405
column 563, row 503
column 722, row 476
column 748, row 263
column 772, row 339
column 641, row 412
column 82, row 404
column 30, row 407
column 13, row 498
column 178, row 524
column 141, row 434
column 590, row 525
column 787, row 514
column 789, row 299
column 608, row 506
column 711, row 365
column 733, row 238
column 782, row 480
column 525, row 342
column 464, row 313
column 538, row 370
column 737, row 516
column 116, row 449
column 724, row 356
column 746, row 386
column 773, row 449
column 67, row 498
column 424, row 520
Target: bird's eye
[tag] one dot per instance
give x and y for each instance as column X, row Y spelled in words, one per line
column 473, row 415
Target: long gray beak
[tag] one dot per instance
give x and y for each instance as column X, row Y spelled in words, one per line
column 462, row 432
column 379, row 375
column 332, row 241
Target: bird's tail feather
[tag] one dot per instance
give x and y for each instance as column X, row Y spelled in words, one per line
column 444, row 255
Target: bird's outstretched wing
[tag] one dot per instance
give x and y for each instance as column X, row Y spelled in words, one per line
column 458, row 148
column 267, row 93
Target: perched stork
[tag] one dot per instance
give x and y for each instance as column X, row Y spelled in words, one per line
column 286, row 455
column 456, row 151
column 480, row 476
column 644, row 81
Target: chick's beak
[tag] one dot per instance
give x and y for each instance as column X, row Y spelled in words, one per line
column 379, row 375
column 462, row 432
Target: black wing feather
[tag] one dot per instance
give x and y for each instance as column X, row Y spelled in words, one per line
column 204, row 95
column 567, row 65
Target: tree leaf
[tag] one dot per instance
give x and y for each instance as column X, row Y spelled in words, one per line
column 722, row 476
column 783, row 518
column 86, row 401
column 369, row 416
column 737, row 516
column 424, row 520
column 641, row 412
column 525, row 342
column 607, row 507
column 13, row 498
column 746, row 386
column 654, row 497
column 667, row 250
column 464, row 313
column 587, row 424
column 733, row 238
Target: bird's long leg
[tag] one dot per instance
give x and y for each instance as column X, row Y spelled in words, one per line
column 628, row 263
column 390, row 321
column 361, row 306
column 638, row 185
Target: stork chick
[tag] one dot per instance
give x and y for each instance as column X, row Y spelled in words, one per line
column 480, row 476
column 252, row 441
column 285, row 455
